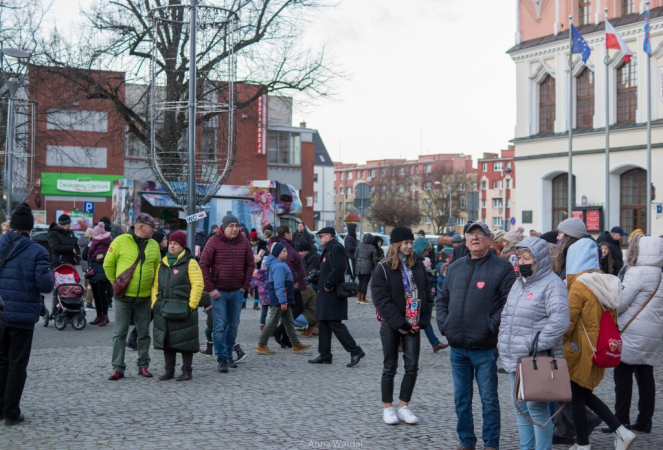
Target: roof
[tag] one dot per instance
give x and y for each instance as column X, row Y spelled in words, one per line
column 322, row 157
column 587, row 29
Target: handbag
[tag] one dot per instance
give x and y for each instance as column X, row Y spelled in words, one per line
column 541, row 379
column 643, row 306
column 345, row 289
column 121, row 283
column 174, row 309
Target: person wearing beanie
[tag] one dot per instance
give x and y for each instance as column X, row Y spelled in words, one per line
column 614, row 240
column 460, row 249
column 511, row 239
column 176, row 293
column 573, row 227
column 23, row 280
column 403, row 298
column 62, row 242
column 160, row 238
column 332, row 309
column 94, row 254
column 253, row 235
column 367, row 259
column 302, row 235
column 214, row 230
column 227, row 263
column 476, row 286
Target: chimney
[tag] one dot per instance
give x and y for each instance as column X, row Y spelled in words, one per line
column 302, row 124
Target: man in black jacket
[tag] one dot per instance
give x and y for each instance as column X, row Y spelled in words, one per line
column 62, row 242
column 330, row 309
column 351, row 247
column 302, row 235
column 469, row 307
column 614, row 241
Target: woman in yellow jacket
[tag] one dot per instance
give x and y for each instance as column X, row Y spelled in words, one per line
column 590, row 293
column 176, row 292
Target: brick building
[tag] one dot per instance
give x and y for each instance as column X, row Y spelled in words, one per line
column 497, row 187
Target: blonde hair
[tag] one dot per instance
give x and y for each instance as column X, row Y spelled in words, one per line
column 633, row 250
column 5, row 225
column 392, row 257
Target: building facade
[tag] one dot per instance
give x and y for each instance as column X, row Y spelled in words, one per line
column 541, row 57
column 496, row 175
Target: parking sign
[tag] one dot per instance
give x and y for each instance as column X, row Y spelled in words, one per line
column 88, row 207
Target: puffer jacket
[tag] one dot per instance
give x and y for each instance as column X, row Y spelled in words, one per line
column 294, row 261
column 351, row 241
column 121, row 255
column 366, row 255
column 62, row 244
column 280, row 282
column 642, row 339
column 24, row 276
column 183, row 280
column 590, row 292
column 538, row 303
column 227, row 264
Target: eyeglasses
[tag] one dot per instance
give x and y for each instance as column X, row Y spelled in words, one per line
column 233, row 226
column 478, row 234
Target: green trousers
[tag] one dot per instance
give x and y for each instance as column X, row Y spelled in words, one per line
column 142, row 309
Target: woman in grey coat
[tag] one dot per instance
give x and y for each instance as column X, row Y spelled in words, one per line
column 538, row 302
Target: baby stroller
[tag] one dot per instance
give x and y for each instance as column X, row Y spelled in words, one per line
column 68, row 301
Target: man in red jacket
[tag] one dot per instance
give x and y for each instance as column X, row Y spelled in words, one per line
column 227, row 264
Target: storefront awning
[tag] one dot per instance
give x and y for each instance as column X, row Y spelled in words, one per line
column 160, row 200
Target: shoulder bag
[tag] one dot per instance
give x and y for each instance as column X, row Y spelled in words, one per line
column 344, row 289
column 643, row 306
column 541, row 379
column 121, row 283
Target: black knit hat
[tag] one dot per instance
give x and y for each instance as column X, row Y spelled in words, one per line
column 22, row 218
column 64, row 219
column 400, row 234
column 303, row 247
column 550, row 237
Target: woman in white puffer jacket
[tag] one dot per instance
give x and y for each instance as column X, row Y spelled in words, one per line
column 641, row 340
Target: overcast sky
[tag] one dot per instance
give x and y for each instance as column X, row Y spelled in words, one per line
column 436, row 68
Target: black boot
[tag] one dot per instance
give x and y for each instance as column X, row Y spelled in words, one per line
column 184, row 376
column 232, row 364
column 256, row 307
column 223, row 366
column 167, row 375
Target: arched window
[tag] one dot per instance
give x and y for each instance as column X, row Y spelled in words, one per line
column 585, row 99
column 627, row 91
column 633, row 200
column 560, row 199
column 547, row 105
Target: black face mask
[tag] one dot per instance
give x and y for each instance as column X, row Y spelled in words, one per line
column 526, row 270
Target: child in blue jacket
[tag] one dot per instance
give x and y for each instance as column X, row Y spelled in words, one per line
column 281, row 298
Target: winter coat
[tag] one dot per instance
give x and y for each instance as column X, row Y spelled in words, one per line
column 183, row 280
column 536, row 304
column 590, row 291
column 280, row 282
column 295, row 263
column 83, row 242
column 332, row 272
column 91, row 254
column 351, row 241
column 312, row 262
column 388, row 294
column 260, row 247
column 116, row 230
column 642, row 339
column 227, row 264
column 62, row 244
column 459, row 251
column 366, row 256
column 24, row 276
column 304, row 236
column 121, row 255
column 615, row 251
column 469, row 307
column 260, row 281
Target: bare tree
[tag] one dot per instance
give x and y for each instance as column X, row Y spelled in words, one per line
column 436, row 187
column 394, row 198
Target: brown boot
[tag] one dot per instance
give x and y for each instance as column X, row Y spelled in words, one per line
column 308, row 332
column 359, row 294
column 299, row 347
column 104, row 321
column 264, row 350
column 364, row 301
column 96, row 321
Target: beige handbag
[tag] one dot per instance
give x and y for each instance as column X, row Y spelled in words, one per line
column 541, row 379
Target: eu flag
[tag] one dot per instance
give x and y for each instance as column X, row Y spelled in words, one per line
column 647, row 43
column 579, row 44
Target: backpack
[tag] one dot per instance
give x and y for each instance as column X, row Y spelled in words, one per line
column 608, row 351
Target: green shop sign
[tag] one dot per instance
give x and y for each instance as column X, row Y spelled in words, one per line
column 77, row 184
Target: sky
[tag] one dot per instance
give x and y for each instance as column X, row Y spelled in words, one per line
column 421, row 77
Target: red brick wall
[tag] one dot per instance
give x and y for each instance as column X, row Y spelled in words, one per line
column 308, row 161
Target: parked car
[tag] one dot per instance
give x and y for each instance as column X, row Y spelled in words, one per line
column 40, row 236
column 385, row 239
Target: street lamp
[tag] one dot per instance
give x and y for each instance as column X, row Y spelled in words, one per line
column 507, row 173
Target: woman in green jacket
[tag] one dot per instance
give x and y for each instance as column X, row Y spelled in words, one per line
column 176, row 292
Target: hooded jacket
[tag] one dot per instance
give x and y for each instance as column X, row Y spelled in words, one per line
column 295, row 263
column 24, row 276
column 62, row 244
column 590, row 293
column 280, row 281
column 366, row 255
column 351, row 241
column 227, row 264
column 642, row 339
column 538, row 303
column 615, row 251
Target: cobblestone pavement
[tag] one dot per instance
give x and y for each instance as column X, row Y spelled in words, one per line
column 269, row 402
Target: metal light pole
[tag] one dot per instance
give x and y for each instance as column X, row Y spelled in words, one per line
column 449, row 188
column 191, row 198
column 507, row 172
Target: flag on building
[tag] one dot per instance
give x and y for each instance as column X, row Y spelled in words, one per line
column 615, row 41
column 579, row 44
column 647, row 45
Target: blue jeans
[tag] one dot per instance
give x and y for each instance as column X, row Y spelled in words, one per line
column 225, row 318
column 301, row 321
column 466, row 365
column 430, row 334
column 532, row 437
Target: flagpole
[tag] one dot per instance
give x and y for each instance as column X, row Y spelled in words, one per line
column 607, row 130
column 570, row 176
column 648, row 188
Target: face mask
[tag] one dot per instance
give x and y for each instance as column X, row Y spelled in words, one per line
column 526, row 270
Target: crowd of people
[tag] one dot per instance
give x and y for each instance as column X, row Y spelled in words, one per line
column 498, row 297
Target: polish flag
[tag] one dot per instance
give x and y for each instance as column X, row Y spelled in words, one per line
column 615, row 41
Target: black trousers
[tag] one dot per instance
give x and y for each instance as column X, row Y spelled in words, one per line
column 644, row 376
column 170, row 357
column 15, row 346
column 100, row 294
column 584, row 397
column 352, row 271
column 338, row 328
column 279, row 332
column 391, row 339
column 363, row 282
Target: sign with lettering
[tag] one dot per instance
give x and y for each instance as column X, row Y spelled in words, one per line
column 83, row 185
column 593, row 220
column 196, row 217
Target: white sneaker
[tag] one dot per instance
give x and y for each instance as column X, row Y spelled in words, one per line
column 389, row 416
column 406, row 415
column 624, row 438
column 581, row 447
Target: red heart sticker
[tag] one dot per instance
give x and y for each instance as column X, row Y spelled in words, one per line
column 324, row 259
column 177, row 271
column 481, row 284
column 529, row 296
